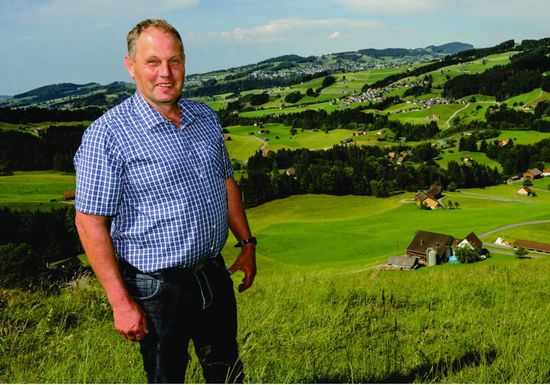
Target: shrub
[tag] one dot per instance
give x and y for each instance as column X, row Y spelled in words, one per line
column 467, row 255
column 294, row 97
column 20, row 267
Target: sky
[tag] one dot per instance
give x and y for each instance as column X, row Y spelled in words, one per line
column 79, row 41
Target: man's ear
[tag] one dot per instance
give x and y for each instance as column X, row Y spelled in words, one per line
column 129, row 64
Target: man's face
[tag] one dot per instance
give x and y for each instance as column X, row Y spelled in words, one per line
column 158, row 67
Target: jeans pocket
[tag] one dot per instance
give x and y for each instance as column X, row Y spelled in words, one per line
column 143, row 286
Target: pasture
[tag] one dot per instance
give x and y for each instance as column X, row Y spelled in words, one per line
column 458, row 156
column 320, row 311
column 35, row 188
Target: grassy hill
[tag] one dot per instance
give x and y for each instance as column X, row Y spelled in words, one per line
column 320, row 312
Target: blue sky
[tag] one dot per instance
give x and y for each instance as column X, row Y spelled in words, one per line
column 53, row 41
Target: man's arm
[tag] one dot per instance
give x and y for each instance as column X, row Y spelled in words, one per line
column 130, row 320
column 246, row 261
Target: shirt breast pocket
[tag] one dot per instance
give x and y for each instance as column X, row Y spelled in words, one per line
column 207, row 160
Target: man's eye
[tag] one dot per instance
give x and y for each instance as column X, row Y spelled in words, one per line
column 175, row 62
column 152, row 62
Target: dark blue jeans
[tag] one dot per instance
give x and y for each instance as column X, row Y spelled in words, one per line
column 187, row 304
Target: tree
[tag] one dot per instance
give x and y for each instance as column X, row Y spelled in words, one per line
column 527, row 182
column 520, row 252
column 467, row 255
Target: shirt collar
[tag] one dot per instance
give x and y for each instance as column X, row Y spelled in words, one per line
column 154, row 118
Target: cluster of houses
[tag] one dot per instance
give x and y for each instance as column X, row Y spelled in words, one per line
column 530, row 174
column 429, row 249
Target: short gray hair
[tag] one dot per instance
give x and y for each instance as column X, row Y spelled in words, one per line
column 134, row 34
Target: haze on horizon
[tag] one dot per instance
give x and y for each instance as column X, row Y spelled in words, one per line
column 54, row 41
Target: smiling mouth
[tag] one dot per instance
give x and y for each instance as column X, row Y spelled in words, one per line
column 165, row 85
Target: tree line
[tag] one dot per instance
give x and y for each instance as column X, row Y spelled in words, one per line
column 37, row 115
column 364, row 170
column 52, row 149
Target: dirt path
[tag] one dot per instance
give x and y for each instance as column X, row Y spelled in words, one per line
column 448, row 122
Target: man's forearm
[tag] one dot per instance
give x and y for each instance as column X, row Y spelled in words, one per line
column 238, row 222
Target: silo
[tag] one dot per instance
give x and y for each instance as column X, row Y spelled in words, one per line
column 432, row 256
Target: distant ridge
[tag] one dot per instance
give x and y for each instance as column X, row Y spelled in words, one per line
column 274, row 72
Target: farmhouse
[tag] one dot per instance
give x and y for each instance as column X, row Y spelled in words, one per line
column 546, row 172
column 424, row 241
column 472, row 241
column 429, row 197
column 525, row 191
column 533, row 246
column 533, row 173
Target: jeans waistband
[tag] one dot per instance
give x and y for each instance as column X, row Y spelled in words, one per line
column 176, row 271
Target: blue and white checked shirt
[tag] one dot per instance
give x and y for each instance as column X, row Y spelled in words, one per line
column 163, row 186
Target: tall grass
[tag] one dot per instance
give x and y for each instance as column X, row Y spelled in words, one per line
column 482, row 323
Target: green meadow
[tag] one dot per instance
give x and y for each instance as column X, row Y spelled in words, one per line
column 321, row 311
column 523, row 137
column 473, row 67
column 243, row 144
column 458, row 156
column 35, row 189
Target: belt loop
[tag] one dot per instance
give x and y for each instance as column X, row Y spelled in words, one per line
column 206, row 290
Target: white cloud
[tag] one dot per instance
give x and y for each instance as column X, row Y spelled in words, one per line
column 279, row 30
column 335, row 35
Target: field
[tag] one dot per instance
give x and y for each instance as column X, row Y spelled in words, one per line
column 319, row 310
column 33, row 189
column 458, row 157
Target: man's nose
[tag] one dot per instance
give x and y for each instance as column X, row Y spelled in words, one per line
column 165, row 71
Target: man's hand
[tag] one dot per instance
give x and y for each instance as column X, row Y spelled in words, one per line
column 130, row 321
column 245, row 262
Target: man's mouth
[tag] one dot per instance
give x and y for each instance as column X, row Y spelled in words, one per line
column 166, row 85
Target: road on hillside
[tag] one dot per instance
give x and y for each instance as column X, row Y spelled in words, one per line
column 468, row 194
column 512, row 226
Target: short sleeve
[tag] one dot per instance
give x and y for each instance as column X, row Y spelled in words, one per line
column 226, row 163
column 99, row 172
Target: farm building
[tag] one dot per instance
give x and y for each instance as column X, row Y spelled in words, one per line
column 472, row 241
column 401, row 263
column 533, row 173
column 533, row 246
column 429, row 197
column 425, row 240
column 525, row 191
column 69, row 195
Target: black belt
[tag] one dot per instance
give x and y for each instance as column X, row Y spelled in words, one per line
column 216, row 262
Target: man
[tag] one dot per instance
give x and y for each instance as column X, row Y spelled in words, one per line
column 155, row 170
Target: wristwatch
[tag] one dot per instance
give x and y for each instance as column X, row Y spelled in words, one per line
column 249, row 241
